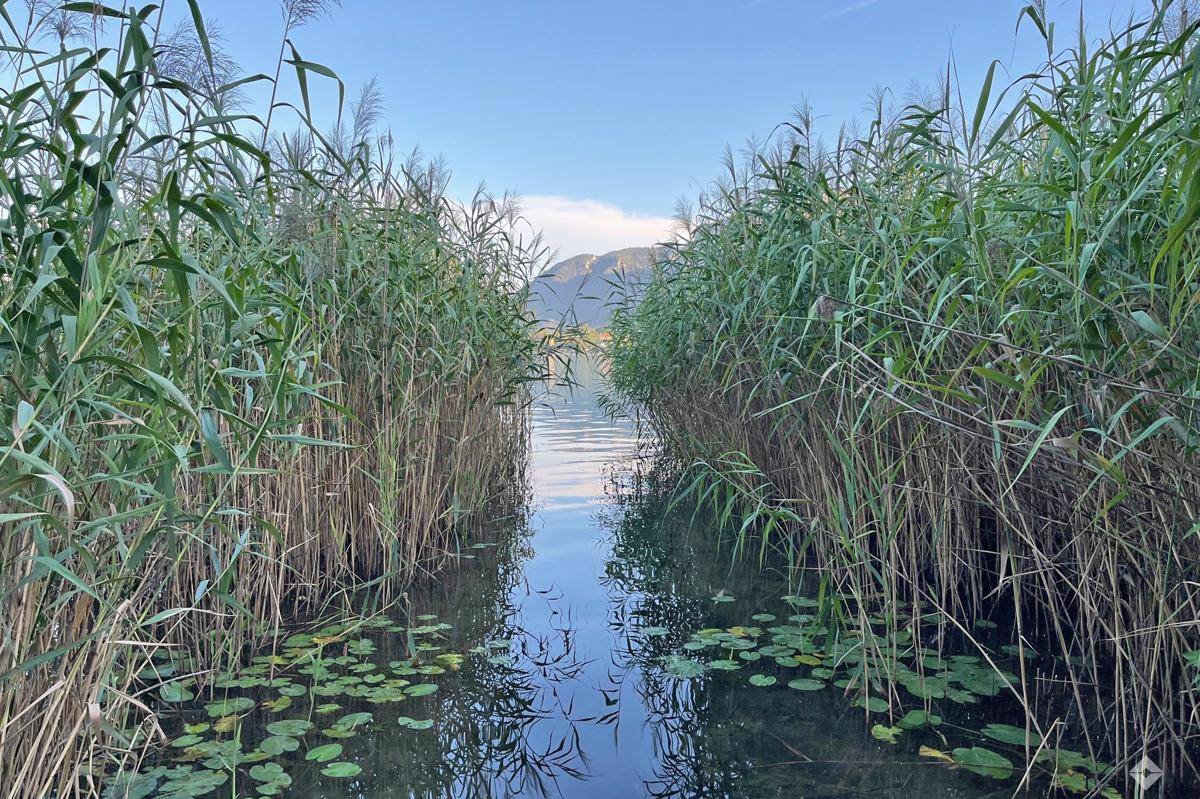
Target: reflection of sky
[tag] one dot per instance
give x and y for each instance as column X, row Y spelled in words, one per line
column 574, row 448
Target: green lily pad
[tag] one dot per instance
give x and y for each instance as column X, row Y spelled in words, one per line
column 421, row 689
column 174, row 692
column 724, row 665
column 762, row 680
column 352, row 720
column 341, row 769
column 229, row 706
column 292, row 728
column 682, row 668
column 916, row 719
column 325, row 753
column 984, row 762
column 184, row 741
column 806, row 684
column 414, row 724
column 278, row 744
column 1006, row 733
column 272, row 776
column 889, row 735
column 194, row 783
column 872, row 703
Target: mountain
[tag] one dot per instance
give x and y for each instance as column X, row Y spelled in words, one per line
column 580, row 290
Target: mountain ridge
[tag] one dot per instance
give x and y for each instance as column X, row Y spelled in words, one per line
column 581, row 289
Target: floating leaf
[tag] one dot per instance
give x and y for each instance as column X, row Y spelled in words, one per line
column 682, row 668
column 325, row 753
column 293, row 728
column 352, row 720
column 724, row 665
column 184, row 741
column 929, row 751
column 421, row 689
column 341, row 769
column 278, row 744
column 175, row 692
column 887, row 734
column 229, row 707
column 278, row 705
column 194, row 783
column 762, row 680
column 806, row 684
column 916, row 719
column 414, row 724
column 1006, row 733
column 984, row 762
column 873, row 704
column 272, row 776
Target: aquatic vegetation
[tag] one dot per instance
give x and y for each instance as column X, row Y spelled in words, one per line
column 250, row 739
column 826, row 657
column 246, row 372
column 951, row 362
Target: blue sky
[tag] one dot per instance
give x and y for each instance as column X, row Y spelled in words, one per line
column 603, row 114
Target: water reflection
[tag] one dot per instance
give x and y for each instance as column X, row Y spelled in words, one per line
column 563, row 624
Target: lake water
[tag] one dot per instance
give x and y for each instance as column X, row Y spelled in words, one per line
column 555, row 678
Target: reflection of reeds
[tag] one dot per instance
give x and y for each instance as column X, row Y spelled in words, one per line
column 238, row 379
column 955, row 361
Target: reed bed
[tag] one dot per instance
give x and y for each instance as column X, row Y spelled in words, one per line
column 245, row 372
column 953, row 362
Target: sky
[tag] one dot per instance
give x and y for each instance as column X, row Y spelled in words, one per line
column 603, row 115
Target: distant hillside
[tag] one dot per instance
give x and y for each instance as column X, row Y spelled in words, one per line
column 581, row 289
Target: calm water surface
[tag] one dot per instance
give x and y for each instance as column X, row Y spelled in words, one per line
column 564, row 625
column 585, row 709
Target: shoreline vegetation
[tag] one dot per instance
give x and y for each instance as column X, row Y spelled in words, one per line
column 951, row 364
column 247, row 371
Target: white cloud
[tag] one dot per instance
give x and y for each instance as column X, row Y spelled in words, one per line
column 850, row 9
column 571, row 227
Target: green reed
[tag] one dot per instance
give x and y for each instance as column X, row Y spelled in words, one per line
column 243, row 370
column 955, row 360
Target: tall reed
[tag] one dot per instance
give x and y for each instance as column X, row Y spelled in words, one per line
column 956, row 361
column 243, row 371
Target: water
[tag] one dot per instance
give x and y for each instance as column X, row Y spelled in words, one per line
column 563, row 627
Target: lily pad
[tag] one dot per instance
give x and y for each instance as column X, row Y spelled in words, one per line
column 916, row 719
column 352, row 720
column 872, row 703
column 278, row 744
column 229, row 706
column 683, row 668
column 886, row 734
column 762, row 680
column 175, row 692
column 1006, row 733
column 984, row 762
column 325, row 753
column 806, row 684
column 414, row 724
column 421, row 689
column 292, row 728
column 341, row 769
